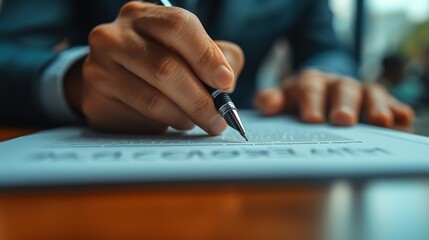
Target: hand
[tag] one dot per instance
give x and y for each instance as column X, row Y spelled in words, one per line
column 320, row 96
column 145, row 72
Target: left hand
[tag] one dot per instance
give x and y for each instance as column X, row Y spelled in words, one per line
column 320, row 96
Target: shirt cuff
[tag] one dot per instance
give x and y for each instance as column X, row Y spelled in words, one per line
column 51, row 91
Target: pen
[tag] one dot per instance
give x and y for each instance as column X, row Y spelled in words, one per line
column 222, row 101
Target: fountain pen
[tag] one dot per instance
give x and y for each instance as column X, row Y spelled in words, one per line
column 222, row 101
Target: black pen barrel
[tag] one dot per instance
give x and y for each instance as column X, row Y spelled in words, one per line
column 227, row 109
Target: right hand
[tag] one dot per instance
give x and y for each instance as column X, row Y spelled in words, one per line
column 145, row 72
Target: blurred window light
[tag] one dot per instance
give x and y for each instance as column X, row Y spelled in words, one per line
column 388, row 23
column 344, row 13
column 415, row 11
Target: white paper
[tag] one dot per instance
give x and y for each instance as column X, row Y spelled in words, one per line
column 280, row 148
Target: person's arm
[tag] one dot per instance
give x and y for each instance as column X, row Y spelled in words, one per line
column 323, row 87
column 142, row 73
column 314, row 44
column 30, row 68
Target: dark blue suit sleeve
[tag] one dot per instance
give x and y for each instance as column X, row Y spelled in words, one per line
column 28, row 32
column 314, row 44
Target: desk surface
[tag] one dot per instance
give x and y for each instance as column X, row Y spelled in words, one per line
column 7, row 133
column 382, row 210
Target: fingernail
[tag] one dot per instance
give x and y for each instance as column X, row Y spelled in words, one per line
column 216, row 125
column 344, row 116
column 381, row 118
column 313, row 117
column 223, row 77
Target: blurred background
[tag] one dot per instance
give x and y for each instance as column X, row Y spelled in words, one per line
column 388, row 38
column 391, row 39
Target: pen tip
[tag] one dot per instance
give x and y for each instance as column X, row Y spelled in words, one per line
column 245, row 137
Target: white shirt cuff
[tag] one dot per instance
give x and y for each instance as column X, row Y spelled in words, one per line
column 51, row 91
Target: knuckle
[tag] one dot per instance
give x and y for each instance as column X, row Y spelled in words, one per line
column 153, row 103
column 312, row 82
column 102, row 35
column 131, row 7
column 349, row 81
column 310, row 89
column 201, row 105
column 137, row 48
column 310, row 74
column 165, row 69
column 97, row 34
column 207, row 55
column 179, row 19
column 347, row 85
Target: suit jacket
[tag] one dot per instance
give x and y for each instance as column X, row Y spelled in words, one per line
column 29, row 30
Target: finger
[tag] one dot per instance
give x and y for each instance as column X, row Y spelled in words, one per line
column 143, row 98
column 377, row 106
column 345, row 102
column 234, row 55
column 403, row 114
column 270, row 101
column 290, row 93
column 312, row 93
column 172, row 77
column 181, row 31
column 106, row 114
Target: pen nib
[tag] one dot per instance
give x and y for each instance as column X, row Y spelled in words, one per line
column 244, row 136
column 234, row 121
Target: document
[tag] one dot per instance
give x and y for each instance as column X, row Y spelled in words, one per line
column 279, row 149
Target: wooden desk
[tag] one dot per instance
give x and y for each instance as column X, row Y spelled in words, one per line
column 168, row 213
column 7, row 133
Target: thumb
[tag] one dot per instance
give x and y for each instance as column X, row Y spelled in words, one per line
column 234, row 55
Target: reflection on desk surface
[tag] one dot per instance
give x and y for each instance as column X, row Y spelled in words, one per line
column 381, row 210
